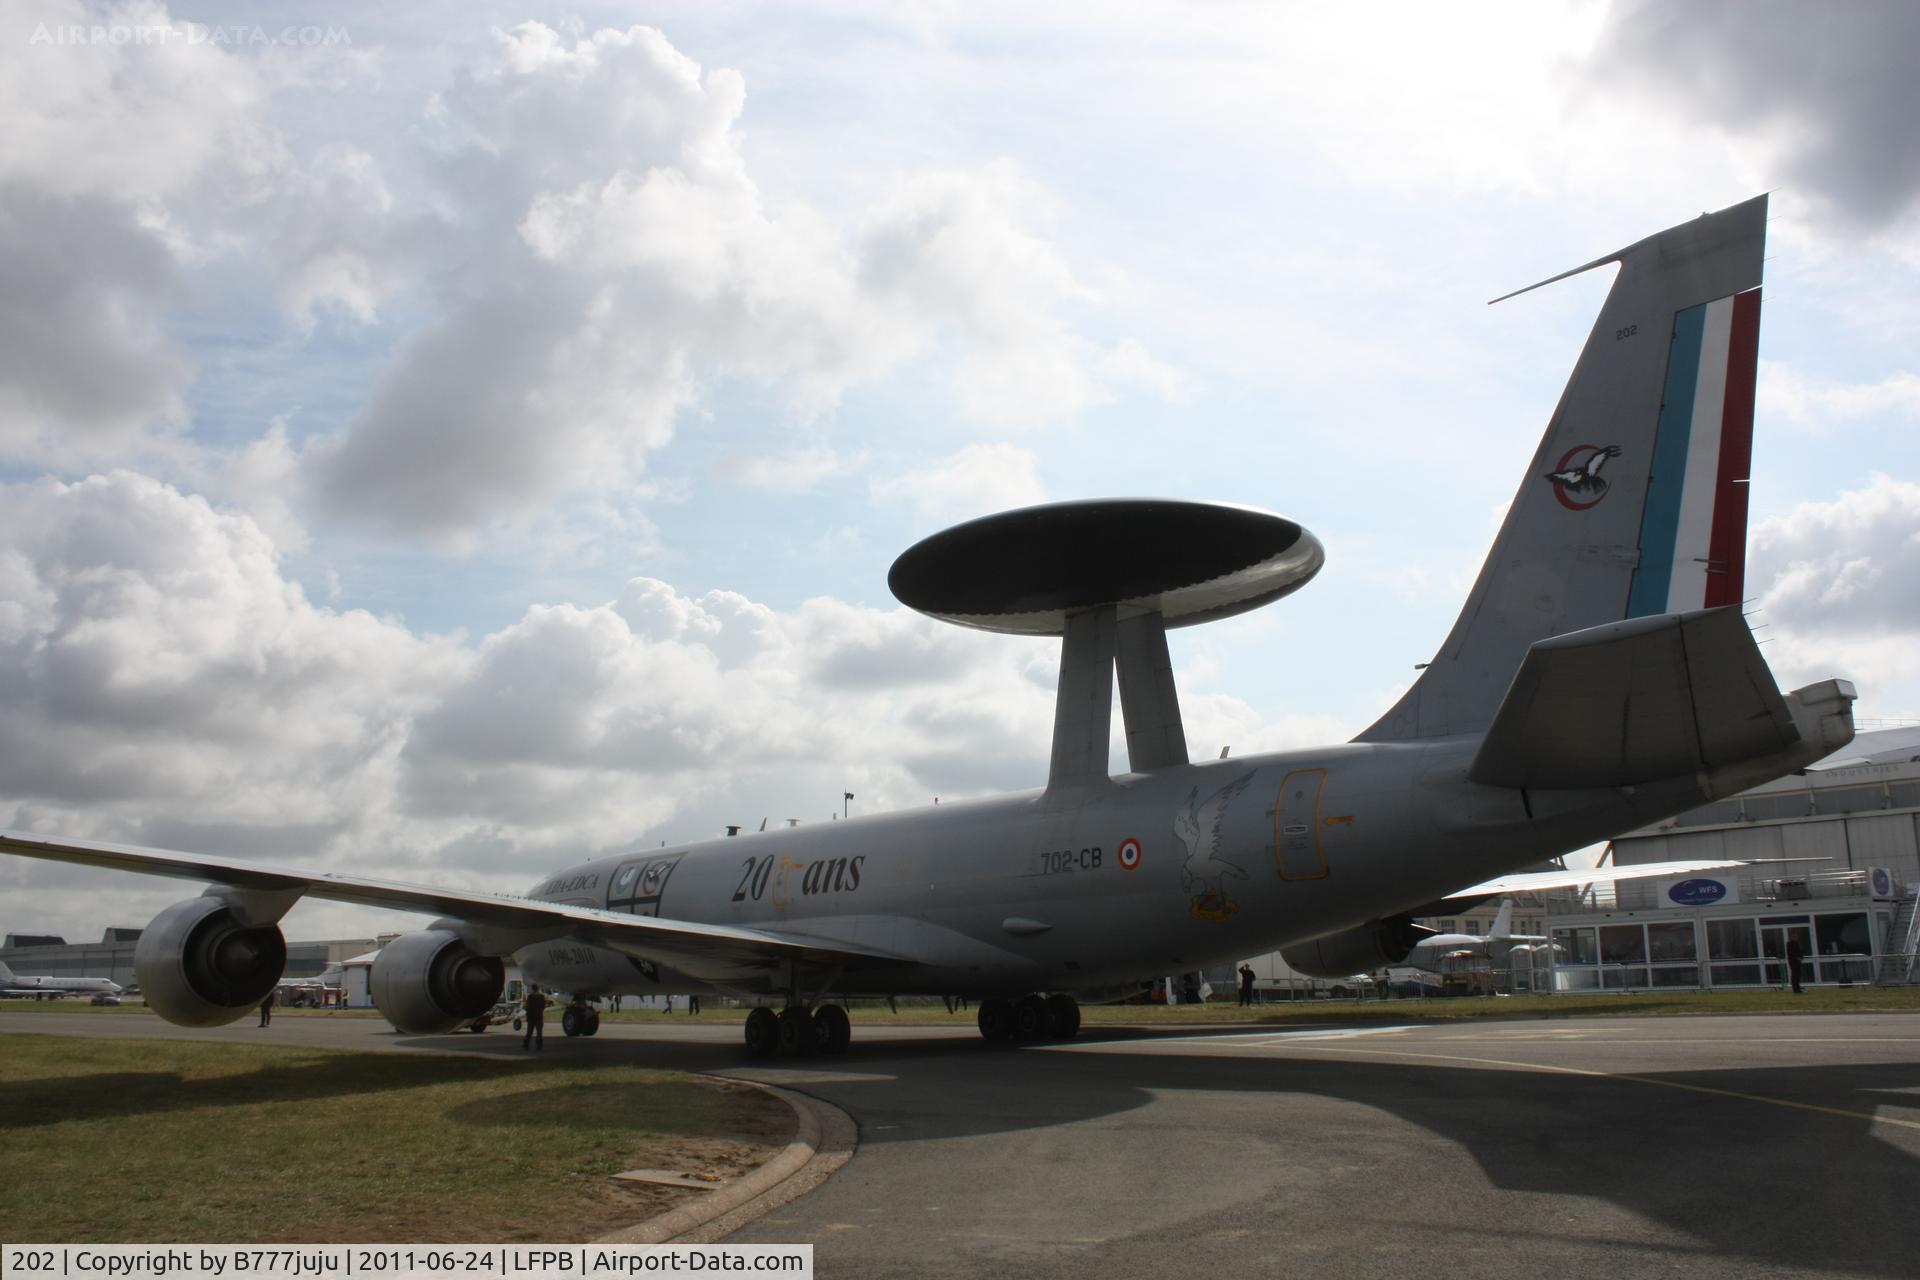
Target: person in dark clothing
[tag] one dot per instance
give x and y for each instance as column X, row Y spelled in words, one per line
column 536, row 1011
column 266, row 1008
column 1246, row 985
column 1795, row 959
column 693, row 1004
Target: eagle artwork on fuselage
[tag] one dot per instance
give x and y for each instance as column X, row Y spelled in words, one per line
column 1204, row 873
column 1600, row 677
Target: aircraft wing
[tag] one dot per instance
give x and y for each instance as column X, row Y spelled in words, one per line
column 654, row 937
column 1538, row 881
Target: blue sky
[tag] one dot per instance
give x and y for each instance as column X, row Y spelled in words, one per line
column 451, row 440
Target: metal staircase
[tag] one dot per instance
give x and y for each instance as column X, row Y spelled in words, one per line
column 1897, row 963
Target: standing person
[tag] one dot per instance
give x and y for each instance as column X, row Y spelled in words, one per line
column 693, row 1003
column 266, row 1006
column 536, row 1011
column 1246, row 985
column 1795, row 958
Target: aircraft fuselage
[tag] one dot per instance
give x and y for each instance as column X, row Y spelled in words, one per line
column 1100, row 887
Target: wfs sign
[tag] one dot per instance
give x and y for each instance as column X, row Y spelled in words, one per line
column 1698, row 891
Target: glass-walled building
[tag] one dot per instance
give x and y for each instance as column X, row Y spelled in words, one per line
column 1836, row 853
column 1744, row 945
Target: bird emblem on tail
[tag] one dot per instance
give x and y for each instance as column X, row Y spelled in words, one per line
column 1577, row 481
column 1205, row 872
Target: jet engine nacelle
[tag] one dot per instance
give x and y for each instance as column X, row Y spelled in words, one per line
column 432, row 981
column 1371, row 946
column 200, row 967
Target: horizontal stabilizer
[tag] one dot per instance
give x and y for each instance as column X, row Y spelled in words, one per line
column 1634, row 701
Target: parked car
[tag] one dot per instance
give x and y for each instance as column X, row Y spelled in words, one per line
column 105, row 997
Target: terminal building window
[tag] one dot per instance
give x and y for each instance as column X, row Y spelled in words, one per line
column 1844, row 947
column 1742, row 951
column 1733, row 940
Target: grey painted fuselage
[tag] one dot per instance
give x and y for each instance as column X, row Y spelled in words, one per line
column 1035, row 892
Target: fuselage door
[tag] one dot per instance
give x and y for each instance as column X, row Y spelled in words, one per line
column 1296, row 826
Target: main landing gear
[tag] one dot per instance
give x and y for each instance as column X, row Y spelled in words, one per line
column 797, row 1030
column 580, row 1019
column 1031, row 1017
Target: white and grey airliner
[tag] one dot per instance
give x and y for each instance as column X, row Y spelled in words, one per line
column 1600, row 676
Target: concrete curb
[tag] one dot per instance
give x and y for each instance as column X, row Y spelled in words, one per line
column 825, row 1141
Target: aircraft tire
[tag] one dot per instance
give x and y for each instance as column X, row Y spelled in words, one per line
column 1065, row 1011
column 996, row 1019
column 832, row 1030
column 1030, row 1020
column 590, row 1024
column 763, row 1032
column 796, row 1032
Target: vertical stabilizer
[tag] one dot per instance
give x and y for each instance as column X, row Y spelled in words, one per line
column 1636, row 502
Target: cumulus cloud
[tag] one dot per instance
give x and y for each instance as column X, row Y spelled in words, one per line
column 1830, row 90
column 605, row 283
column 153, row 661
column 1807, row 402
column 563, row 252
column 105, row 142
column 977, row 480
column 793, row 470
column 162, row 682
column 1839, row 586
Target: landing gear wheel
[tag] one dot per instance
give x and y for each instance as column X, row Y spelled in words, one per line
column 996, row 1019
column 570, row 1021
column 1030, row 1018
column 796, row 1032
column 832, row 1030
column 590, row 1025
column 1065, row 1015
column 763, row 1032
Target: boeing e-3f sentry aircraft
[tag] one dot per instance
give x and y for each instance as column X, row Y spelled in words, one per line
column 1600, row 677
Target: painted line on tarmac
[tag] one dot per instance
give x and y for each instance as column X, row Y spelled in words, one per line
column 1596, row 1037
column 1260, row 1039
column 1868, row 1116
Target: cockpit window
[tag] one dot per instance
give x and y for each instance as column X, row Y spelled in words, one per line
column 638, row 886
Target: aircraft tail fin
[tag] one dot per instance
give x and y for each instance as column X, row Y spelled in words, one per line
column 1635, row 503
column 6, row 972
column 1502, row 920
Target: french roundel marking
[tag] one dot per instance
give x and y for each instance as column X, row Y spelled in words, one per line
column 1130, row 853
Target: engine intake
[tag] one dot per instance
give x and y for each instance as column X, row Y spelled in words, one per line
column 1371, row 946
column 431, row 981
column 200, row 967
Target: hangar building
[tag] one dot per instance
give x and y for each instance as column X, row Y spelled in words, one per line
column 1843, row 840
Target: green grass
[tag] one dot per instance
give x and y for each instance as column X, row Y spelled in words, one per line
column 109, row 1140
column 133, row 1004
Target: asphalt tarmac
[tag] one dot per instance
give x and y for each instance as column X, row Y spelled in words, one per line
column 1738, row 1146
